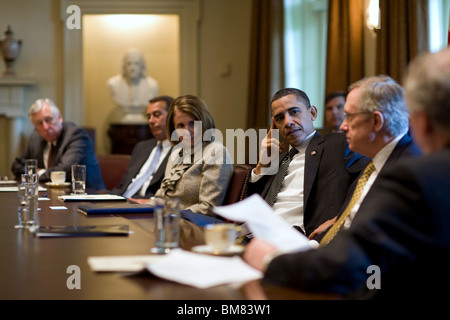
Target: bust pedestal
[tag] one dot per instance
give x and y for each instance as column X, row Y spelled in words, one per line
column 125, row 136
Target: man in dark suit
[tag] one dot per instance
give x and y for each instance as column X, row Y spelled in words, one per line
column 131, row 186
column 376, row 124
column 398, row 245
column 319, row 174
column 57, row 145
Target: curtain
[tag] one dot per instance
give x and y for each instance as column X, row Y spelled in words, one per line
column 345, row 45
column 403, row 35
column 266, row 60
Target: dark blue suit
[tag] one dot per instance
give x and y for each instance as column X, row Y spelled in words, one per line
column 139, row 156
column 404, row 148
column 74, row 146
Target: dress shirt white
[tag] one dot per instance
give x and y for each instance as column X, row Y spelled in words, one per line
column 378, row 161
column 166, row 145
column 289, row 201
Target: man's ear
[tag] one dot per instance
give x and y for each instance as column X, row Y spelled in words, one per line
column 378, row 119
column 313, row 111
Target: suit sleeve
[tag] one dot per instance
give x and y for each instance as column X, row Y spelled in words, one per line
column 382, row 236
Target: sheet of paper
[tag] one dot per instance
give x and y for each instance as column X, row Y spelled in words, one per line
column 202, row 271
column 91, row 197
column 265, row 224
column 58, row 208
column 122, row 263
column 2, row 182
column 14, row 189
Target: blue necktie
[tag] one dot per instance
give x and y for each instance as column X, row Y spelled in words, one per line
column 137, row 184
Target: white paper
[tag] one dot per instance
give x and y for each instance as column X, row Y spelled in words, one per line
column 122, row 263
column 265, row 224
column 91, row 197
column 15, row 189
column 8, row 182
column 202, row 271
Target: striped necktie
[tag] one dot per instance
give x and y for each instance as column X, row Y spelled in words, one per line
column 137, row 184
column 279, row 177
column 355, row 197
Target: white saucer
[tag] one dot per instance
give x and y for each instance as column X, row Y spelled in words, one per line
column 235, row 249
column 57, row 185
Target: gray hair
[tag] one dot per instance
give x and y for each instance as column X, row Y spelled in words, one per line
column 38, row 104
column 383, row 94
column 427, row 85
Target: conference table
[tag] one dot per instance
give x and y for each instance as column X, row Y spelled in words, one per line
column 33, row 268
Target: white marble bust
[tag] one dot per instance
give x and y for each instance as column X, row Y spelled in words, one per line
column 132, row 89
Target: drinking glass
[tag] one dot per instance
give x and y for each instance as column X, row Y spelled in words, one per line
column 30, row 166
column 78, row 179
column 27, row 197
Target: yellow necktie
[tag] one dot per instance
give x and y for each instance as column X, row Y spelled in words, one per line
column 355, row 197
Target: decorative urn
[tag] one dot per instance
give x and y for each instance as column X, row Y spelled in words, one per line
column 10, row 49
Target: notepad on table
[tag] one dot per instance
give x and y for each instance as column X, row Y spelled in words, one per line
column 81, row 231
column 113, row 208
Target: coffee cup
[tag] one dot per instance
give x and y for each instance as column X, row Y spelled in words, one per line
column 220, row 237
column 58, row 177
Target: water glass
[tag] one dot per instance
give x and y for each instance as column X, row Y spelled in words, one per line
column 167, row 225
column 27, row 197
column 78, row 179
column 30, row 166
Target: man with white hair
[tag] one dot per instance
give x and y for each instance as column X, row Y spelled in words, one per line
column 57, row 145
column 376, row 125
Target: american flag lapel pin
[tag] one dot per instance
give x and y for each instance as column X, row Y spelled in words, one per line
column 313, row 153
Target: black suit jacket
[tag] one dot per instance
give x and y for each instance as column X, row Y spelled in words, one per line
column 404, row 148
column 330, row 169
column 74, row 146
column 404, row 230
column 139, row 156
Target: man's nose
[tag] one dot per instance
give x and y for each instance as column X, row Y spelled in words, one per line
column 344, row 125
column 288, row 122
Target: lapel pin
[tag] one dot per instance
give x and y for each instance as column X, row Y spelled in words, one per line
column 313, row 153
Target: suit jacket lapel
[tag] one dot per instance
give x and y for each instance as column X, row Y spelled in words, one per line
column 159, row 174
column 312, row 161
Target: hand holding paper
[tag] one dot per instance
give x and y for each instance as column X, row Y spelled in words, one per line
column 265, row 224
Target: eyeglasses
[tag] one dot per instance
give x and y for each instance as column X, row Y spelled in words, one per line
column 349, row 116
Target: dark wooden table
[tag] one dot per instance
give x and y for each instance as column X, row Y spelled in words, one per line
column 37, row 268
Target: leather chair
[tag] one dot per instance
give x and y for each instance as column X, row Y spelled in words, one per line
column 113, row 167
column 237, row 190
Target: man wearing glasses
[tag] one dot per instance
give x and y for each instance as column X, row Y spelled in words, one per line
column 57, row 145
column 376, row 125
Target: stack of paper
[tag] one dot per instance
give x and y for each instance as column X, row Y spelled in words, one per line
column 193, row 269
